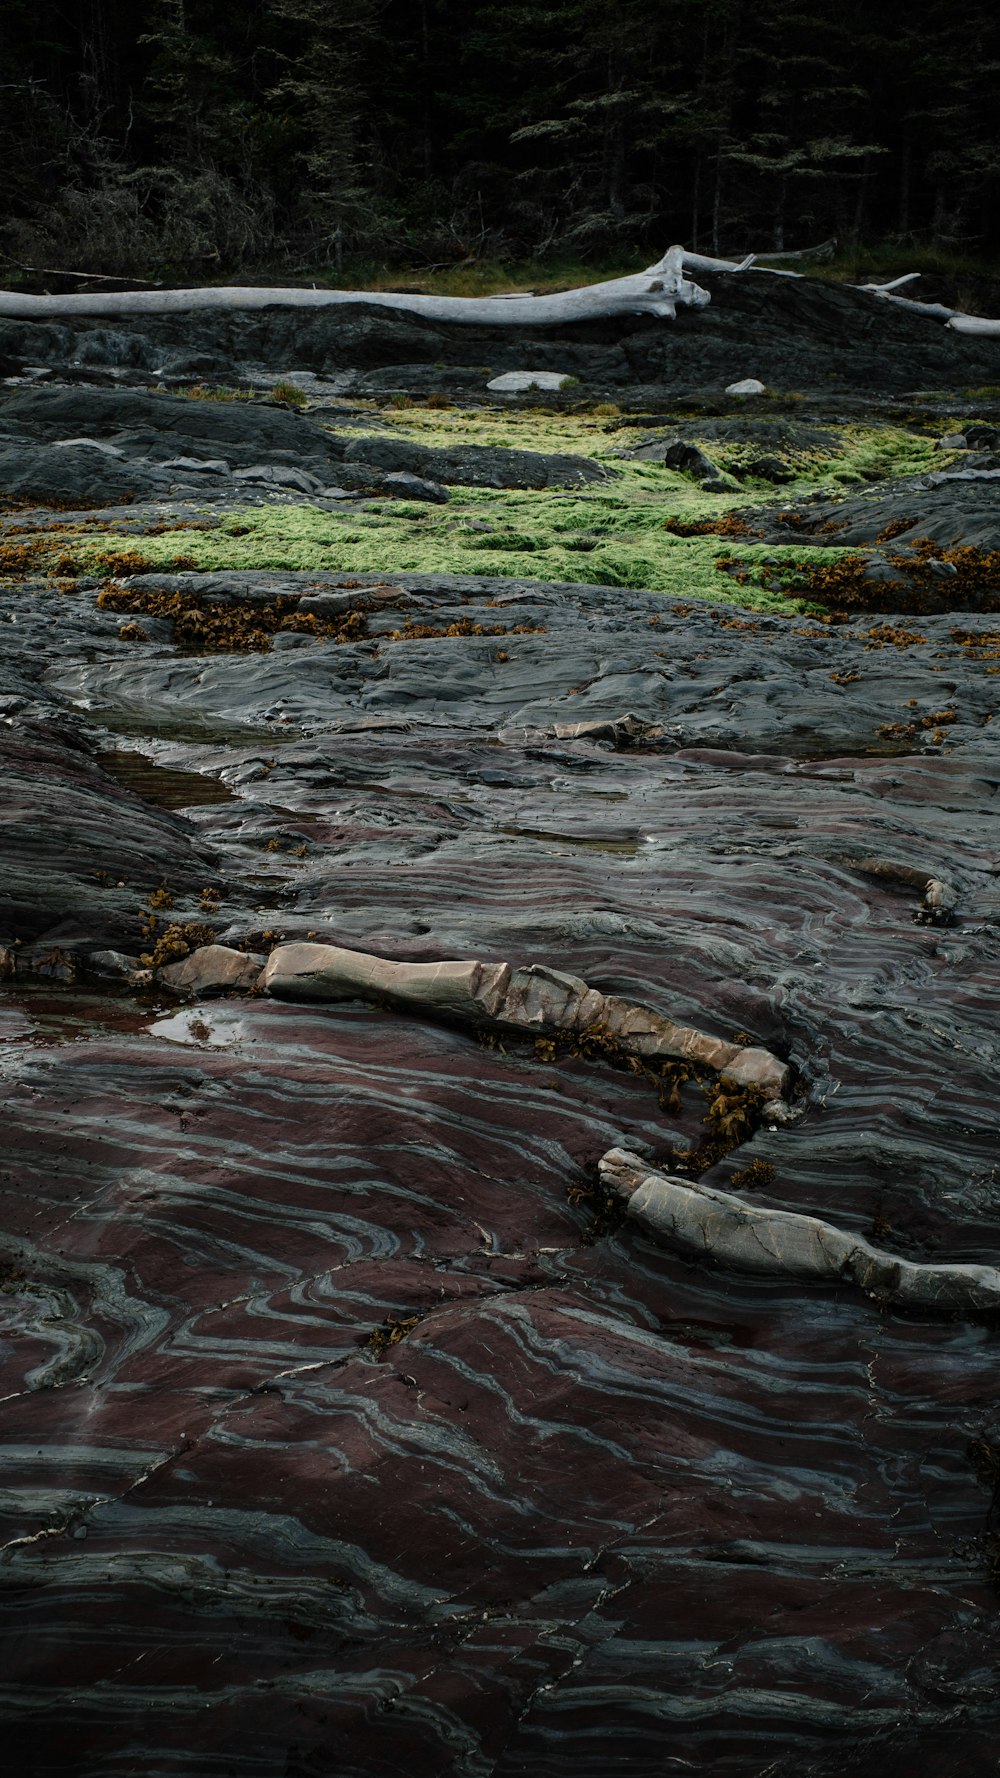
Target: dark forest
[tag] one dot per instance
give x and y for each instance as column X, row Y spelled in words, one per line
column 196, row 138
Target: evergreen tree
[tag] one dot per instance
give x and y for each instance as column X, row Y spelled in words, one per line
column 209, row 135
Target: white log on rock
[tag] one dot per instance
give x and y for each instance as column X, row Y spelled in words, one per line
column 953, row 318
column 536, row 1000
column 658, row 291
column 703, row 1223
column 932, row 311
column 892, row 283
column 979, row 324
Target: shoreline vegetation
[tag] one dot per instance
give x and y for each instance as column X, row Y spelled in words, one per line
column 646, row 526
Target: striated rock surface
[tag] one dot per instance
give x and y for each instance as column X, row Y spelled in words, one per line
column 353, row 1423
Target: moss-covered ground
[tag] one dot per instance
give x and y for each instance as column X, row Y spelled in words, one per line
column 618, row 533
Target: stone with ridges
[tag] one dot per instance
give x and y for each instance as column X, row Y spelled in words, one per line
column 719, row 1226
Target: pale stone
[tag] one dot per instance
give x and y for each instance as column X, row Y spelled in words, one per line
column 752, row 1067
column 749, row 386
column 514, row 381
column 111, row 963
column 698, row 1220
column 533, row 998
column 939, row 894
column 214, row 969
column 467, row 990
column 543, row 998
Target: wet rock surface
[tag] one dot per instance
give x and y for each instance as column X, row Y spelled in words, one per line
column 84, row 446
column 349, row 1426
column 959, row 506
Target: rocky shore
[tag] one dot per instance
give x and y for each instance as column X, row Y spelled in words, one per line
column 379, row 941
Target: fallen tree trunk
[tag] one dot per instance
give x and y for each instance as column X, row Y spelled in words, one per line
column 660, row 290
column 933, row 311
column 953, row 318
column 980, row 324
column 887, row 292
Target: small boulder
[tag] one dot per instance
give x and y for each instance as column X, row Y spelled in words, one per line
column 514, row 382
column 769, row 469
column 689, row 460
column 214, row 969
column 415, row 487
column 278, row 475
column 749, row 386
column 114, row 965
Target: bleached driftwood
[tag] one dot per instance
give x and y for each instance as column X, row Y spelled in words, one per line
column 932, row 311
column 980, row 324
column 536, row 1000
column 700, row 262
column 697, row 1220
column 886, row 292
column 891, row 283
column 660, row 290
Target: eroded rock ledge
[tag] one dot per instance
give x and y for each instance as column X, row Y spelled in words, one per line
column 698, row 1220
column 534, row 999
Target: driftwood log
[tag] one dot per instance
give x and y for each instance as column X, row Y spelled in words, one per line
column 660, row 290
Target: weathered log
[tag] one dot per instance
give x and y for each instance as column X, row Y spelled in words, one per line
column 704, row 1223
column 933, row 311
column 892, row 283
column 983, row 325
column 659, row 291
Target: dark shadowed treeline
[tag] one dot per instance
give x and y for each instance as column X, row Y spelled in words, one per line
column 212, row 135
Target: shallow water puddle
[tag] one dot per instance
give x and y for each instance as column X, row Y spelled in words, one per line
column 587, row 842
column 206, row 1027
column 189, row 728
column 165, row 787
column 33, row 1014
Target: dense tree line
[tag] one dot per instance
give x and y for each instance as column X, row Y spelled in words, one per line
column 209, row 135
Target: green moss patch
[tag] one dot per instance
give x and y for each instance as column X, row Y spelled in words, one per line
column 621, row 534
